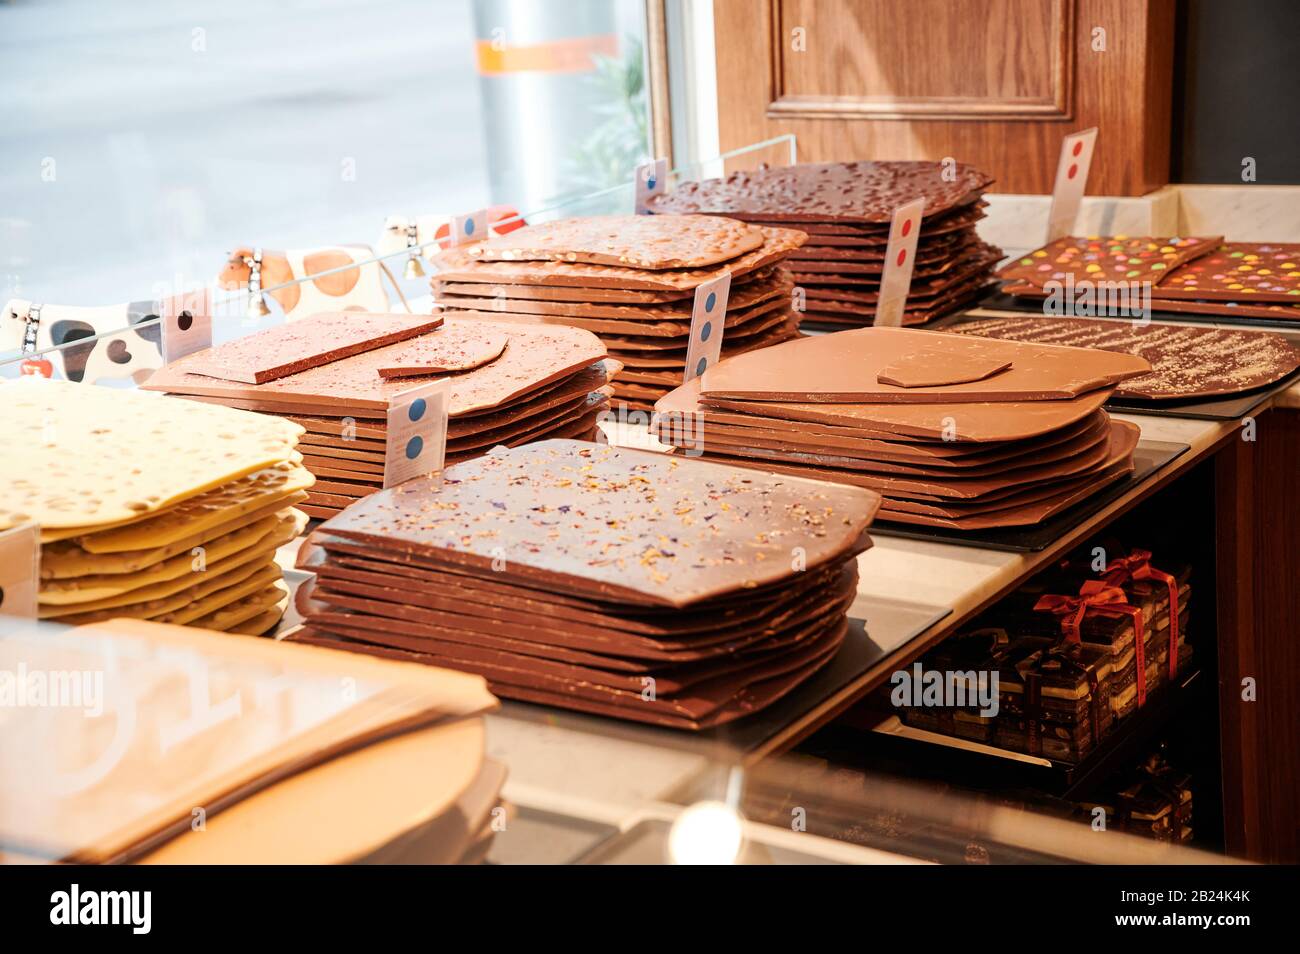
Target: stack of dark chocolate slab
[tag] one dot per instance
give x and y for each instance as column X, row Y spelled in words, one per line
column 334, row 374
column 631, row 280
column 954, row 431
column 846, row 208
column 632, row 584
column 1186, row 363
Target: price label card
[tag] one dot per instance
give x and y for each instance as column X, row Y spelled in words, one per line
column 1071, row 178
column 707, row 318
column 186, row 321
column 651, row 180
column 900, row 256
column 470, row 227
column 20, row 570
column 417, row 433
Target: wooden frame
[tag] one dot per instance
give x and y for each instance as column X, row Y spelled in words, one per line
column 656, row 49
column 1060, row 106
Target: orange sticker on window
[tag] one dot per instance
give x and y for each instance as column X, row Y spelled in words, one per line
column 572, row 55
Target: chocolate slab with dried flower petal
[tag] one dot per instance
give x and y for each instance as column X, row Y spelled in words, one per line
column 622, row 524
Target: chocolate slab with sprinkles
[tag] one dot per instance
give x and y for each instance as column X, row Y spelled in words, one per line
column 613, row 522
column 507, row 383
column 294, row 347
column 577, row 574
column 663, row 621
column 544, row 355
column 436, row 354
column 1185, row 362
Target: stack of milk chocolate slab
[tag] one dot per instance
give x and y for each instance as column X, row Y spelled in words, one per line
column 953, row 430
column 631, row 584
column 630, row 279
column 846, row 209
column 334, row 375
column 148, row 508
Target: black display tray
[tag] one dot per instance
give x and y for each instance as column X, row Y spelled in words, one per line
column 1231, row 408
column 997, row 768
column 1149, row 457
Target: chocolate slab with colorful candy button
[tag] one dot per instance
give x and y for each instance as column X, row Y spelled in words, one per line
column 1241, row 272
column 1118, row 258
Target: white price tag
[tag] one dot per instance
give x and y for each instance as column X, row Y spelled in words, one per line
column 470, row 227
column 186, row 321
column 20, row 570
column 707, row 319
column 1071, row 179
column 417, row 433
column 900, row 256
column 651, row 180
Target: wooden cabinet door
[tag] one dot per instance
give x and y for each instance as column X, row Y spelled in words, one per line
column 995, row 83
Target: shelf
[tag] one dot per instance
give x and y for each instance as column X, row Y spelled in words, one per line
column 986, row 766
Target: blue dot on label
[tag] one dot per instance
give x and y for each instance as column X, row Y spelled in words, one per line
column 699, row 368
column 706, row 331
column 710, row 301
column 469, row 226
column 650, row 182
column 414, row 447
column 417, row 409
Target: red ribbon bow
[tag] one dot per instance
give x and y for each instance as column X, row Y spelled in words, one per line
column 1108, row 600
column 1137, row 566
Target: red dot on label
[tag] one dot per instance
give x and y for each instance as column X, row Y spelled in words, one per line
column 907, row 227
column 1078, row 147
column 1074, row 169
column 902, row 256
